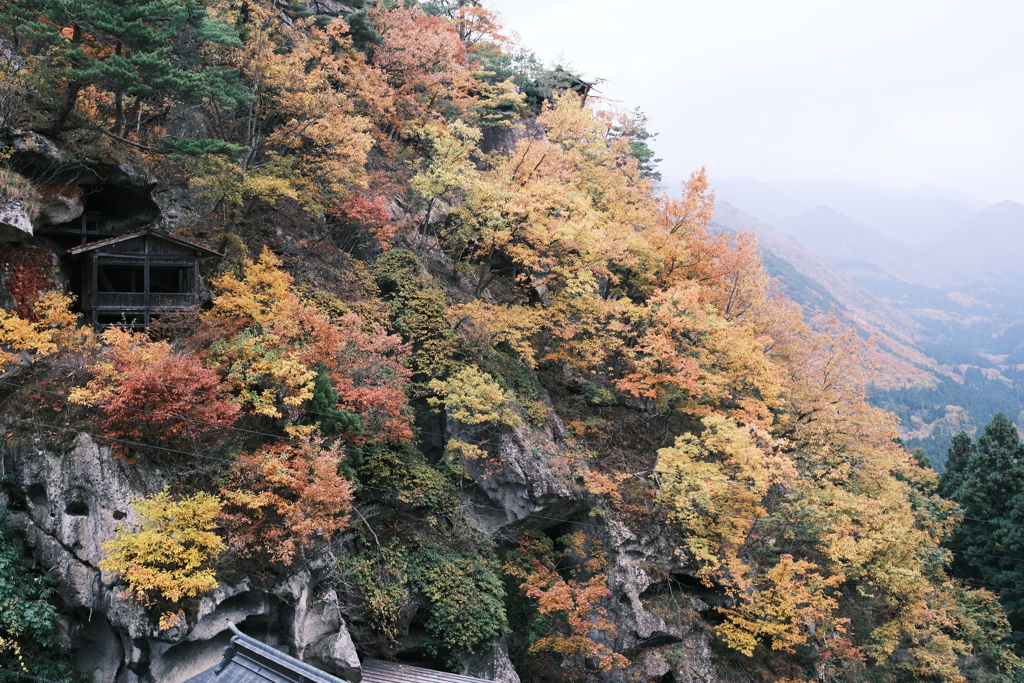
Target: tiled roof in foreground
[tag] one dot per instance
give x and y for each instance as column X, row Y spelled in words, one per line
column 247, row 660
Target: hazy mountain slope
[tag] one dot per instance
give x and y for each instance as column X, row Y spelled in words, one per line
column 819, row 287
column 973, row 203
column 991, row 242
column 765, row 202
column 851, row 296
column 908, row 217
column 936, row 271
column 917, row 218
column 859, row 250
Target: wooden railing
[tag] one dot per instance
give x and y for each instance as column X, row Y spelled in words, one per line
column 124, row 301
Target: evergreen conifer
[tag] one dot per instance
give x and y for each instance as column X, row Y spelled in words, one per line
column 147, row 55
column 987, row 480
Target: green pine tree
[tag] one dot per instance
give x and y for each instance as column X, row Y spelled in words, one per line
column 956, row 464
column 634, row 131
column 333, row 421
column 987, row 480
column 146, row 56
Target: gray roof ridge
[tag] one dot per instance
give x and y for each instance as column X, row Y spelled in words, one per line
column 309, row 672
column 139, row 233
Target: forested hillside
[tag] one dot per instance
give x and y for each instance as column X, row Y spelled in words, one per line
column 460, row 387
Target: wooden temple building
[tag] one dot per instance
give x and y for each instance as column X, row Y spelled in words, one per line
column 131, row 279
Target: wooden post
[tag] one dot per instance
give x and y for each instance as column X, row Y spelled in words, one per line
column 95, row 282
column 146, row 296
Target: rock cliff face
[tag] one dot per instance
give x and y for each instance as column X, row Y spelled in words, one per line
column 68, row 503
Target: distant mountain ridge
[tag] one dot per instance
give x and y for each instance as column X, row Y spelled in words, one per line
column 991, row 242
column 860, row 250
column 917, row 219
column 947, row 303
column 819, row 287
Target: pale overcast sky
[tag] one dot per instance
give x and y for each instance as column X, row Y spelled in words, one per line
column 894, row 93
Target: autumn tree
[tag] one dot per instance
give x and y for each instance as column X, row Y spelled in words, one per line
column 170, row 556
column 449, row 167
column 303, row 134
column 151, row 393
column 270, row 346
column 282, row 498
column 50, row 328
column 473, row 399
column 577, row 623
column 425, row 64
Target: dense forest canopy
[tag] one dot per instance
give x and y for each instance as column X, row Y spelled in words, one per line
column 436, row 245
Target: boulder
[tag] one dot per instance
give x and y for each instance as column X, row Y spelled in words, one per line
column 336, row 653
column 60, row 208
column 491, row 665
column 15, row 221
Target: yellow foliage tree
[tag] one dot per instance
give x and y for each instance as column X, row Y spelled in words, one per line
column 714, row 484
column 473, row 398
column 55, row 328
column 449, row 166
column 261, row 368
column 169, row 557
column 305, row 130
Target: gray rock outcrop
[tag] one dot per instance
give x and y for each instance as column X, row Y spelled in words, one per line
column 15, row 221
column 120, row 193
column 61, row 208
column 491, row 665
column 68, row 503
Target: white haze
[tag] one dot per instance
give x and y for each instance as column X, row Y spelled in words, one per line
column 898, row 93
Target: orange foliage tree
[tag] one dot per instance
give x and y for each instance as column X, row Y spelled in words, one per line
column 580, row 626
column 282, row 498
column 424, row 63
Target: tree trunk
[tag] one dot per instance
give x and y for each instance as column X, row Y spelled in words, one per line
column 67, row 103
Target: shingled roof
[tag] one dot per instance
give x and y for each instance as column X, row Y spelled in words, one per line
column 377, row 671
column 247, row 660
column 110, row 241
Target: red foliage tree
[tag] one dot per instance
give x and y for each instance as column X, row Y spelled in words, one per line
column 23, row 273
column 150, row 393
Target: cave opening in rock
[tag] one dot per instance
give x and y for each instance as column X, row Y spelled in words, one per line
column 77, row 509
column 37, row 496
